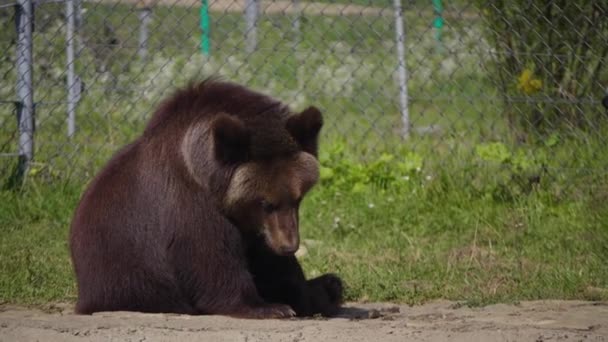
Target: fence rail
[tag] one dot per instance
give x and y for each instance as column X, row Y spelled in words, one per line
column 425, row 76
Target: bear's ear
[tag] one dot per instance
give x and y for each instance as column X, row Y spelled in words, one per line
column 231, row 139
column 305, row 127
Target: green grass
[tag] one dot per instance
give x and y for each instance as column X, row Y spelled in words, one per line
column 445, row 232
column 35, row 265
column 469, row 225
column 416, row 247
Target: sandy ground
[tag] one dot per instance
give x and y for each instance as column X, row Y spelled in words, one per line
column 437, row 321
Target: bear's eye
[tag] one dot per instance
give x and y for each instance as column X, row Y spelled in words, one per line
column 269, row 207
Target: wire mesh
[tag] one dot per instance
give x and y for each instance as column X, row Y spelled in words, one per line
column 433, row 78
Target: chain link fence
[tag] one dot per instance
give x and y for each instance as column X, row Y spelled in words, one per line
column 441, row 79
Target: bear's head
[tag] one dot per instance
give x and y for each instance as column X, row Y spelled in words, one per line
column 260, row 191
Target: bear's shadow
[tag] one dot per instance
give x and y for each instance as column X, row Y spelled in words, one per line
column 358, row 313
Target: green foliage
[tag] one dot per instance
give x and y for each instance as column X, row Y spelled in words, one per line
column 495, row 171
column 495, row 152
column 340, row 171
column 549, row 49
column 513, row 172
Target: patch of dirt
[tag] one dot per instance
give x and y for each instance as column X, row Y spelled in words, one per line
column 436, row 321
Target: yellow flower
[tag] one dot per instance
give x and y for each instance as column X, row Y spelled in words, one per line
column 33, row 171
column 527, row 83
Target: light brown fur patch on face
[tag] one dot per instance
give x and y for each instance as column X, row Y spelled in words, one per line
column 274, row 181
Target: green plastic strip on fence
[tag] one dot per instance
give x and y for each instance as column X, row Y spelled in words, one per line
column 438, row 22
column 205, row 26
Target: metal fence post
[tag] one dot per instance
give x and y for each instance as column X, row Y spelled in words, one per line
column 78, row 24
column 71, row 77
column 297, row 36
column 251, row 18
column 402, row 70
column 145, row 16
column 25, row 92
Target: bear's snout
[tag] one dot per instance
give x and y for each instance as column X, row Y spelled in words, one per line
column 281, row 232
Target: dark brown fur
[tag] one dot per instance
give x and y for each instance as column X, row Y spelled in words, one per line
column 199, row 214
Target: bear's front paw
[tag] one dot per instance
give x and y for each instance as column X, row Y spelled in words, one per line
column 326, row 294
column 333, row 285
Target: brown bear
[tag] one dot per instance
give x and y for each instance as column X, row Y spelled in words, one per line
column 199, row 215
